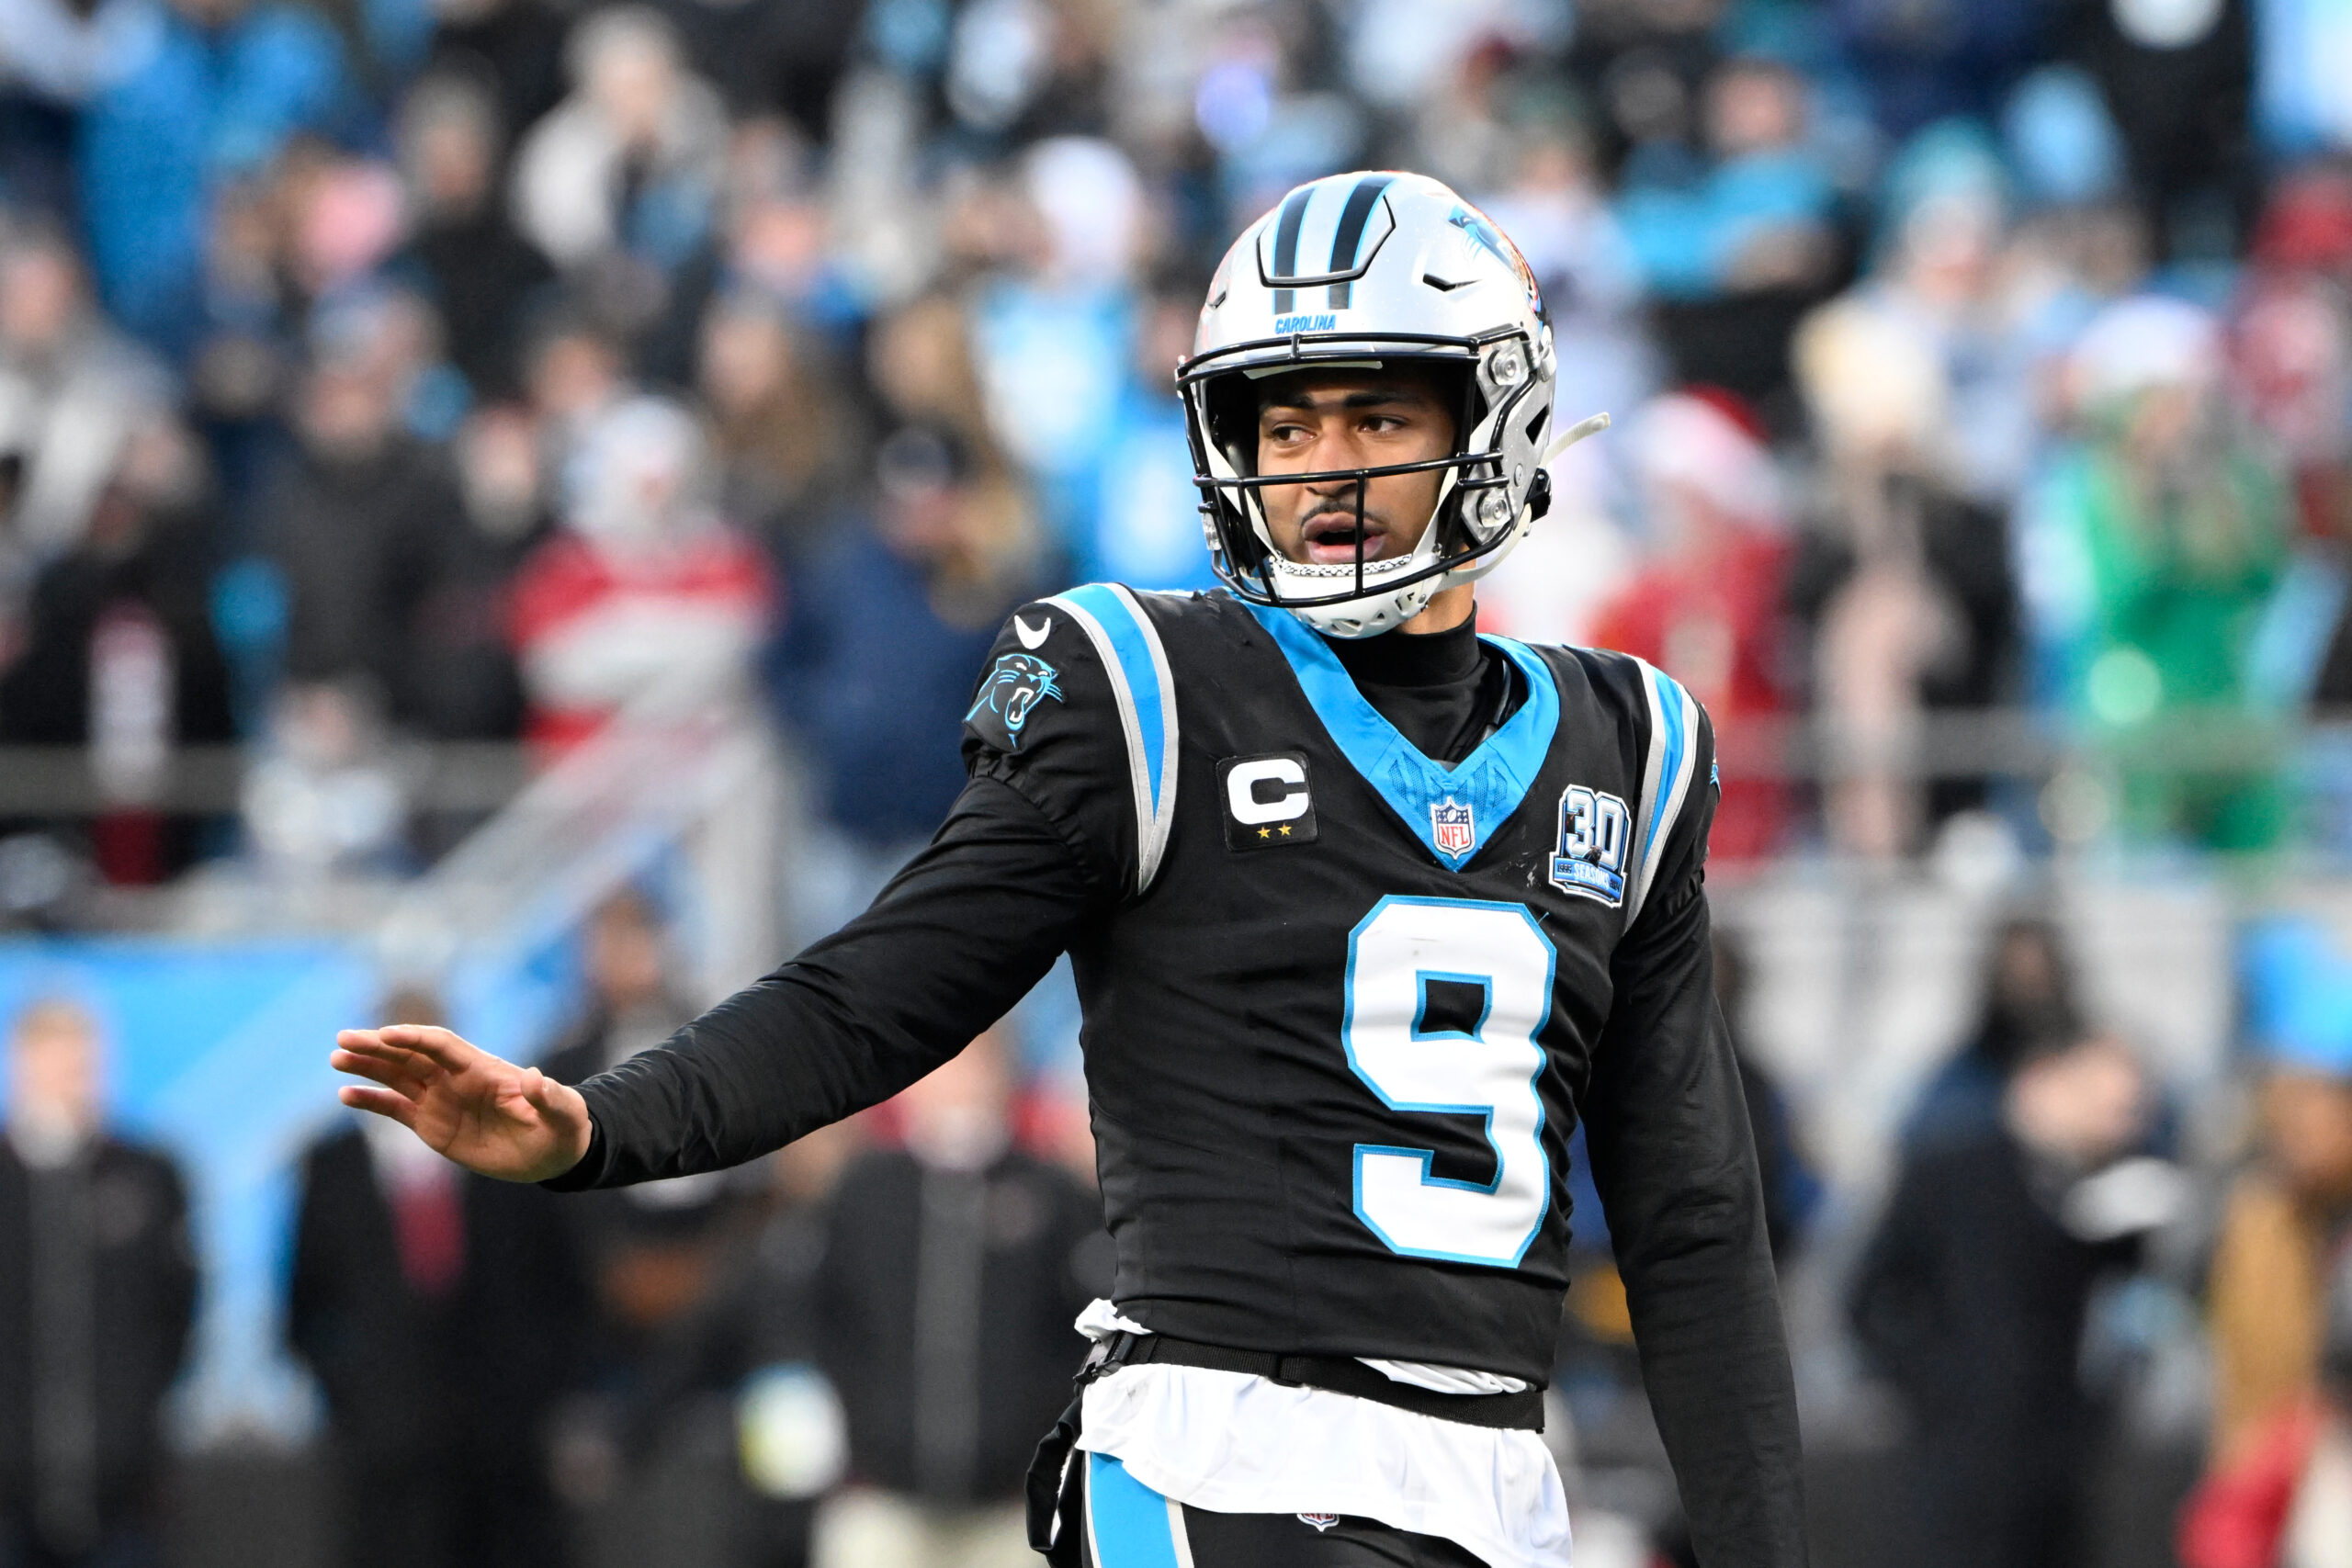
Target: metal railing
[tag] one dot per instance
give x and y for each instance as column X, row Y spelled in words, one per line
column 207, row 781
column 2015, row 743
column 478, row 776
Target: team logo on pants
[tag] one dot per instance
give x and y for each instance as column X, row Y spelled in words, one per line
column 1320, row 1522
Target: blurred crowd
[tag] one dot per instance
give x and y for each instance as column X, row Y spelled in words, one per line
column 878, row 1319
column 2087, row 1322
column 383, row 372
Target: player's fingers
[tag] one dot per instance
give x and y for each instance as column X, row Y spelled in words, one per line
column 382, row 1102
column 430, row 1041
column 545, row 1096
column 391, row 1073
column 563, row 1108
column 369, row 1043
column 552, row 1096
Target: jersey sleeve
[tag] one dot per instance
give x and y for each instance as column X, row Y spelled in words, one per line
column 958, row 936
column 1678, row 785
column 1674, row 1159
column 1076, row 711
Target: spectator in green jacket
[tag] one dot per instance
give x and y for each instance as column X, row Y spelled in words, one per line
column 2175, row 533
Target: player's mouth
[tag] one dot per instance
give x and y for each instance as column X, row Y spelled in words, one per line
column 1331, row 538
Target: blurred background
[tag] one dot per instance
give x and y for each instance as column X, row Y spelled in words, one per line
column 501, row 504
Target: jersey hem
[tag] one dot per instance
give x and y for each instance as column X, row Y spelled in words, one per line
column 1120, row 1422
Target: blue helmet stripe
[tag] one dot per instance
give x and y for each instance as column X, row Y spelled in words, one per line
column 1286, row 228
column 1347, row 238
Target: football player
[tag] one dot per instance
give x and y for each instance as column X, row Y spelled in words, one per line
column 1367, row 912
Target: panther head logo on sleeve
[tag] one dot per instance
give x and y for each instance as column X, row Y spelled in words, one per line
column 1018, row 683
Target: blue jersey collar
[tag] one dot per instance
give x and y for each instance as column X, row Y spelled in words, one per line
column 1452, row 810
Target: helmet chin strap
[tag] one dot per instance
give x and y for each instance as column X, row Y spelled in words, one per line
column 1374, row 611
column 1591, row 425
column 1462, row 577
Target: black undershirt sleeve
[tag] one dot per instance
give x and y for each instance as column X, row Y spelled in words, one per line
column 1675, row 1162
column 956, row 937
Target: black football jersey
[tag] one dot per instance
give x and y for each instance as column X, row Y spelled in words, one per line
column 1342, row 1002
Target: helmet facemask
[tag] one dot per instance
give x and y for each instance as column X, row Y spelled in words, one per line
column 1470, row 523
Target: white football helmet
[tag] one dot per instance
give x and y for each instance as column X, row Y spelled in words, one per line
column 1363, row 270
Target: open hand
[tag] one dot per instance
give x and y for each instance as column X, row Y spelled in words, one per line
column 489, row 1115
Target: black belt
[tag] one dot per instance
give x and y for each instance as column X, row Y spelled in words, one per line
column 1522, row 1411
column 1052, row 1498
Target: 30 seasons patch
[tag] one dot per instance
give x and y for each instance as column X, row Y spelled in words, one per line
column 1268, row 801
column 1596, row 844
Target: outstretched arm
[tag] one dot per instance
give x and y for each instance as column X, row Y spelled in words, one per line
column 955, row 940
column 958, row 937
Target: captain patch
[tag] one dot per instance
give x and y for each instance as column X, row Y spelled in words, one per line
column 1268, row 801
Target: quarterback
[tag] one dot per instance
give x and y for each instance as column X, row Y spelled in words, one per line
column 1367, row 913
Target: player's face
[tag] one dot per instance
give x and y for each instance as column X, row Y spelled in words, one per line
column 1318, row 421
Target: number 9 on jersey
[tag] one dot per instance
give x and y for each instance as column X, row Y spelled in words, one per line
column 1414, row 1061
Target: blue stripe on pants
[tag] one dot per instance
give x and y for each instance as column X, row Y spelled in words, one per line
column 1126, row 1521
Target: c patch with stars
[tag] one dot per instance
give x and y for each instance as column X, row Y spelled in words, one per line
column 1267, row 800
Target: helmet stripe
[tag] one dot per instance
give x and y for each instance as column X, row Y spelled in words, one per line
column 1349, row 237
column 1286, row 228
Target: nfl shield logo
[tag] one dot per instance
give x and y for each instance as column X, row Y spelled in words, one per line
column 1450, row 826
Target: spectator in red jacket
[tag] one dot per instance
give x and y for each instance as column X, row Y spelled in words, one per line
column 1705, row 608
column 2285, row 1501
column 645, row 598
